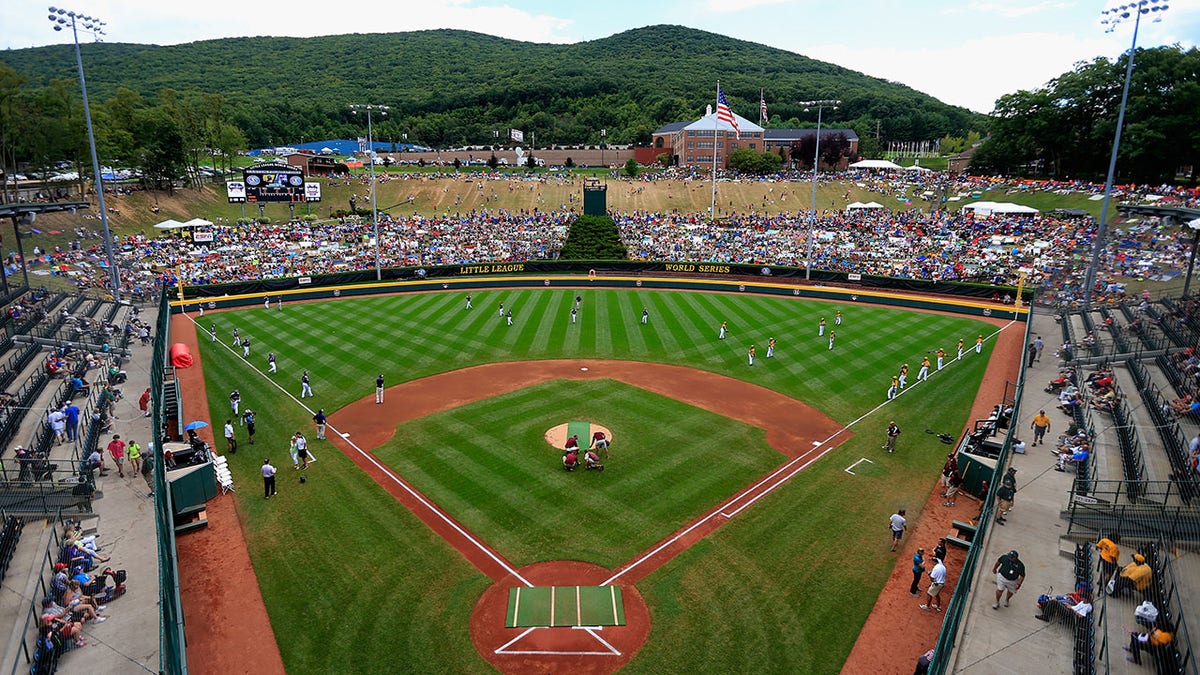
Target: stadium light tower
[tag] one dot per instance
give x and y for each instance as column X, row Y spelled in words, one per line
column 382, row 109
column 1110, row 19
column 812, row 216
column 61, row 18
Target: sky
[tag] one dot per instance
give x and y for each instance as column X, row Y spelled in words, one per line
column 963, row 52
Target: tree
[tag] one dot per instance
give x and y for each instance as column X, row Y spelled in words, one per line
column 162, row 157
column 493, row 162
column 569, row 163
column 631, row 168
column 457, row 164
column 665, row 159
column 530, row 161
column 748, row 160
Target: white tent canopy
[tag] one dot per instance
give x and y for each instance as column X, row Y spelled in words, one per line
column 170, row 225
column 988, row 208
column 916, row 167
column 875, row 164
column 860, row 205
column 198, row 222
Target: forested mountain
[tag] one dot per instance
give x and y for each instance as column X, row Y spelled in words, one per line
column 449, row 87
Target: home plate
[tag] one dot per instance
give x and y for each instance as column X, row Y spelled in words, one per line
column 584, row 369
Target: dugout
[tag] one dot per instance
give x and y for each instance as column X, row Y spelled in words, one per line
column 595, row 198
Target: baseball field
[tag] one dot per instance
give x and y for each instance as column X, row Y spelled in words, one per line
column 724, row 511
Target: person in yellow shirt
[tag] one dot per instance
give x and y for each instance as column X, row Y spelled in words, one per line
column 1155, row 641
column 1135, row 575
column 1040, row 425
column 1110, row 552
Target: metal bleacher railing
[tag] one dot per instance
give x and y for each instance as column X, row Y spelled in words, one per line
column 959, row 603
column 172, row 647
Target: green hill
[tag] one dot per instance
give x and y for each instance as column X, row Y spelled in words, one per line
column 450, row 87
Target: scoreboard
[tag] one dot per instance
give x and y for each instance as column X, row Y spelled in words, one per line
column 268, row 183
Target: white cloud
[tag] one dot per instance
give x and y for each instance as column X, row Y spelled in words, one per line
column 969, row 74
column 1015, row 10
column 729, row 6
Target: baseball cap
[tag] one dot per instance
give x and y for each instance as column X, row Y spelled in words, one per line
column 1138, row 557
column 1012, row 554
column 60, row 566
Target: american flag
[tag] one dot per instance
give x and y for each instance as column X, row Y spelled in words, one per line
column 762, row 108
column 724, row 114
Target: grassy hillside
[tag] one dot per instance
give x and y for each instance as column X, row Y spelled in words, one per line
column 279, row 89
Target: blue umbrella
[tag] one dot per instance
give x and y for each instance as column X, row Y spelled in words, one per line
column 195, row 425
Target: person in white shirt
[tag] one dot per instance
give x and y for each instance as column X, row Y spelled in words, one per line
column 937, row 579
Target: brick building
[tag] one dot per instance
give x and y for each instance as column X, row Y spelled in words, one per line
column 692, row 142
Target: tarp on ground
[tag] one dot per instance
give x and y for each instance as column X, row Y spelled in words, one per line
column 875, row 164
column 181, row 356
column 988, row 208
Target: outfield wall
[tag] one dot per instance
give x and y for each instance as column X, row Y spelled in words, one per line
column 252, row 294
column 606, row 268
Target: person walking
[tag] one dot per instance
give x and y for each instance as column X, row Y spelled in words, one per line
column 979, row 345
column 379, row 389
column 248, row 422
column 134, row 452
column 468, row 301
column 302, row 450
column 892, row 432
column 1039, row 345
column 574, row 314
column 501, row 310
column 212, row 332
column 917, row 568
column 895, row 386
column 305, row 385
column 143, row 405
column 832, row 337
column 1040, row 425
column 294, row 451
column 961, row 342
column 750, row 354
column 721, row 331
column 116, row 450
column 235, row 401
column 266, row 302
column 770, row 348
column 229, row 437
column 897, row 523
column 319, row 421
column 508, row 317
column 245, row 348
column 837, row 318
column 271, row 362
column 941, row 357
column 645, row 316
column 237, row 339
column 268, row 473
column 1010, row 574
column 821, row 327
column 1005, row 495
column 937, row 579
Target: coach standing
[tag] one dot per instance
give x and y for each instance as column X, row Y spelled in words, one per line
column 319, row 421
column 379, row 380
column 268, row 473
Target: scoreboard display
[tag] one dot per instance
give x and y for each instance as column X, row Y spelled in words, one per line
column 273, row 183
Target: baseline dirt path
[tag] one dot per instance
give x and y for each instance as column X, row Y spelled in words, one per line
column 225, row 618
column 897, row 632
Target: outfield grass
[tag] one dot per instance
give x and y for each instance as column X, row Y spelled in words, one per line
column 488, row 465
column 783, row 587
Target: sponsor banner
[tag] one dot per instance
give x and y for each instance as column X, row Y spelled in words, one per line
column 236, row 191
column 312, row 192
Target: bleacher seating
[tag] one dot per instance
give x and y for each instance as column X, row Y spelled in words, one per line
column 10, row 534
column 1164, row 595
column 1084, row 653
column 1133, row 465
column 1174, row 442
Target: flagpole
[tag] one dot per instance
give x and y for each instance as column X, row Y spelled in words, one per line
column 712, row 209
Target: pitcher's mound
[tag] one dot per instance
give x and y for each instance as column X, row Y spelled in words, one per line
column 557, row 436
